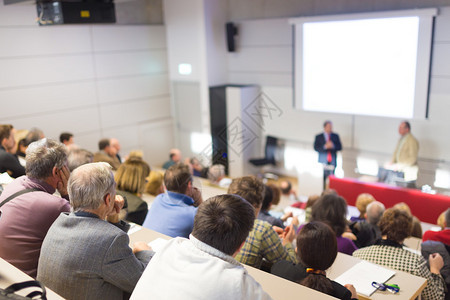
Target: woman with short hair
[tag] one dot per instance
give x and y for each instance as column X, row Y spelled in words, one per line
column 395, row 226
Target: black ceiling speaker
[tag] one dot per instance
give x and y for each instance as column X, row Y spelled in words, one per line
column 231, row 32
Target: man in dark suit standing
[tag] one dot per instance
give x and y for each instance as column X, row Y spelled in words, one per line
column 327, row 144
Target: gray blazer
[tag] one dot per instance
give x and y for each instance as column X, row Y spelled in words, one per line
column 83, row 257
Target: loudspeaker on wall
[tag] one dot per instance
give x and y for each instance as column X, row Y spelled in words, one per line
column 231, row 30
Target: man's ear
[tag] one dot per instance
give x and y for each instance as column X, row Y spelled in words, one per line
column 55, row 171
column 107, row 199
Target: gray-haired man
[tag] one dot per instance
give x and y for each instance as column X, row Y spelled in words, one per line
column 85, row 254
column 28, row 206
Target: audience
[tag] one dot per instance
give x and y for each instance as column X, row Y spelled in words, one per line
column 107, row 154
column 32, row 207
column 332, row 210
column 78, row 157
column 216, row 175
column 85, row 257
column 130, row 179
column 287, row 190
column 221, row 226
column 264, row 214
column 172, row 213
column 441, row 220
column 197, row 168
column 416, row 229
column 174, row 157
column 116, row 145
column 362, row 201
column 316, row 250
column 66, row 138
column 85, row 253
column 395, row 226
column 367, row 231
column 262, row 242
column 154, row 184
column 35, row 134
column 308, row 208
column 21, row 145
column 442, row 236
column 8, row 160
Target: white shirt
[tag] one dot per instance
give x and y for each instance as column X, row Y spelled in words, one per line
column 190, row 269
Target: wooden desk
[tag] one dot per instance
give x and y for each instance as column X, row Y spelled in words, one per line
column 410, row 286
column 413, row 243
column 10, row 274
column 278, row 288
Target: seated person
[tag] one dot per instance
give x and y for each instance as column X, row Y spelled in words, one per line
column 362, row 201
column 441, row 220
column 203, row 267
column 266, row 205
column 21, row 145
column 308, row 208
column 442, row 236
column 430, row 247
column 287, row 190
column 197, row 168
column 395, row 226
column 316, row 250
column 416, row 230
column 154, row 184
column 66, row 138
column 216, row 175
column 130, row 179
column 172, row 213
column 85, row 254
column 107, row 153
column 26, row 217
column 78, row 157
column 262, row 242
column 332, row 210
column 367, row 231
column 8, row 160
column 174, row 158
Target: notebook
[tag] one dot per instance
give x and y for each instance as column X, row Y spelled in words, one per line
column 363, row 274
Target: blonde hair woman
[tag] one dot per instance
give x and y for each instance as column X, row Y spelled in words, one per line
column 130, row 178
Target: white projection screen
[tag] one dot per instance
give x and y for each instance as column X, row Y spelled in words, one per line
column 374, row 64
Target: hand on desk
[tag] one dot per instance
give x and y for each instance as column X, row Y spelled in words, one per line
column 140, row 246
column 436, row 263
column 352, row 289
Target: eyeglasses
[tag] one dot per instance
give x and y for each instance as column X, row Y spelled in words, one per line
column 393, row 288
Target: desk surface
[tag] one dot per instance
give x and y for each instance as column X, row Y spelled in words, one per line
column 410, row 286
column 10, row 274
column 276, row 287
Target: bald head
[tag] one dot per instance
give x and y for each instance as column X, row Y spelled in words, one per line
column 175, row 155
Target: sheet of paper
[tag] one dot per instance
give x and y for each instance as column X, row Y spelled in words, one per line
column 157, row 244
column 363, row 274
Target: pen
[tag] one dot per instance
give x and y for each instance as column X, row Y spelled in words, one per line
column 393, row 288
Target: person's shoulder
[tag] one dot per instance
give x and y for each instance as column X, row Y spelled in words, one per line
column 340, row 291
column 289, row 270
